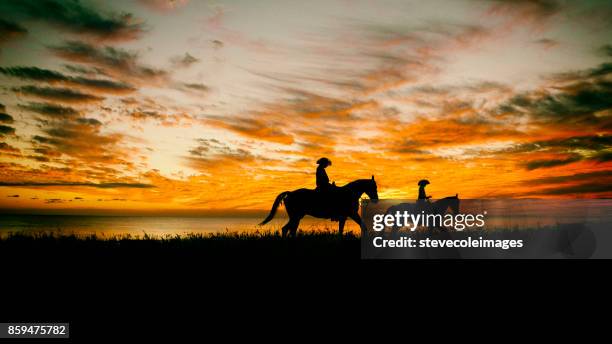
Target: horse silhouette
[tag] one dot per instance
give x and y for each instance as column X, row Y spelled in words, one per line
column 338, row 202
column 439, row 207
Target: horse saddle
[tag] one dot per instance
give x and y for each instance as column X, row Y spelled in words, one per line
column 328, row 191
column 329, row 199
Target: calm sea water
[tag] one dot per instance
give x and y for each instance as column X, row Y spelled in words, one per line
column 501, row 214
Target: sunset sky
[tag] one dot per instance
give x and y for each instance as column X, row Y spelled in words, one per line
column 221, row 105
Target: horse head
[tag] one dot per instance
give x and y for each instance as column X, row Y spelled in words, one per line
column 454, row 204
column 361, row 186
column 372, row 190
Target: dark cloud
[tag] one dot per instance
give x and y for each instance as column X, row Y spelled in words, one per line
column 546, row 43
column 535, row 164
column 585, row 102
column 578, row 177
column 583, row 78
column 594, row 148
column 581, row 100
column 600, row 157
column 603, row 69
column 593, row 143
column 529, row 10
column 114, row 61
column 103, row 85
column 603, row 156
column 6, row 118
column 606, row 50
column 211, row 152
column 586, row 188
column 38, row 158
column 165, row 119
column 47, row 152
column 42, row 139
column 575, row 104
column 93, row 185
column 10, row 30
column 45, row 75
column 5, row 147
column 409, row 147
column 83, row 142
column 209, row 147
column 89, row 121
column 77, row 69
column 143, row 115
column 50, row 110
column 33, row 73
column 57, row 94
column 13, row 196
column 75, row 17
column 184, row 61
column 6, row 130
column 485, row 86
column 104, row 56
column 197, row 87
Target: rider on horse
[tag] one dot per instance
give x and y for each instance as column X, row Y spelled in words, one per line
column 322, row 178
column 323, row 184
column 423, row 200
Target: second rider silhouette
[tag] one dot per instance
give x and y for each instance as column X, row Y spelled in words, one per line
column 323, row 184
column 423, row 200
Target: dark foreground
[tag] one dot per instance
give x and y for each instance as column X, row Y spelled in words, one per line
column 45, row 246
column 562, row 241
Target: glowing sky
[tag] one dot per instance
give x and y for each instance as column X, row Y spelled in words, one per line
column 196, row 105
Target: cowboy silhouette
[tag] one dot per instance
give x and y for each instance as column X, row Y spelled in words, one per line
column 422, row 184
column 423, row 200
column 323, row 184
column 322, row 178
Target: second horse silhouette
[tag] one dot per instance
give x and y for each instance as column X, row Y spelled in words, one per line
column 423, row 205
column 335, row 202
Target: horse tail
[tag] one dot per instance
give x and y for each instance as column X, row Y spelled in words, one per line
column 277, row 202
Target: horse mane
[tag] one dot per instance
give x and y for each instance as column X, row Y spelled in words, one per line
column 358, row 181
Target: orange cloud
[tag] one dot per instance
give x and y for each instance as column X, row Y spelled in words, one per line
column 251, row 127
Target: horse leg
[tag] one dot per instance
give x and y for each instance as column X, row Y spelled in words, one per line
column 294, row 219
column 341, row 222
column 355, row 217
column 294, row 224
column 286, row 228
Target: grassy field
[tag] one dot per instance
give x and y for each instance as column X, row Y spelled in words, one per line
column 314, row 244
column 322, row 244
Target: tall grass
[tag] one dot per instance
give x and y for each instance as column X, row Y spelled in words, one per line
column 322, row 243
